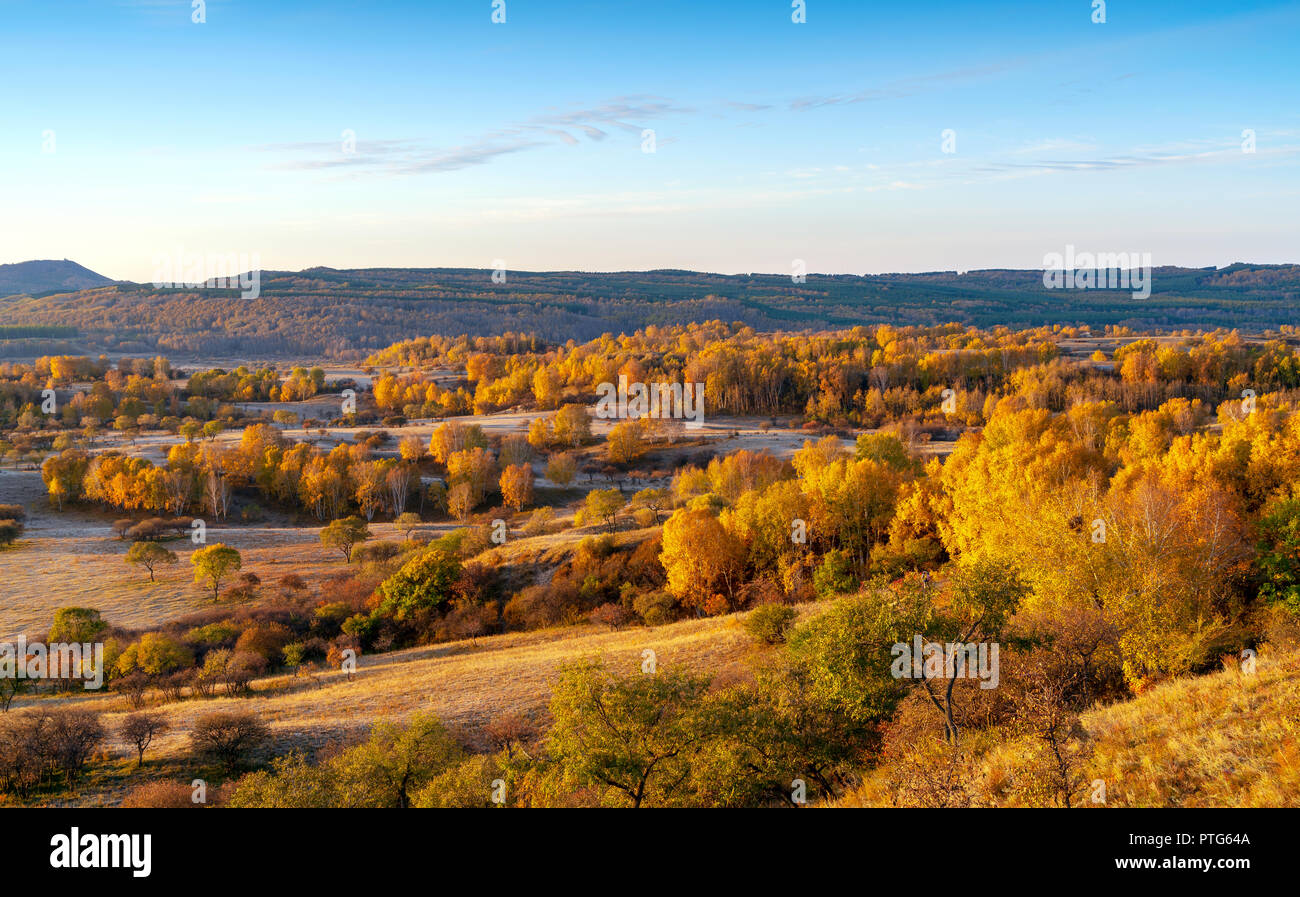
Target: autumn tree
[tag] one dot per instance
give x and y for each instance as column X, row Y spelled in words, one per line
column 412, row 449
column 630, row 736
column 344, row 535
column 395, row 762
column 140, row 729
column 461, row 500
column 369, row 486
column 452, row 437
column 515, row 450
column 845, row 652
column 704, row 562
column 155, row 654
column 150, row 555
column 1279, row 555
column 517, row 485
column 539, row 433
column 625, row 442
column 983, row 596
column 654, row 499
column 571, row 425
column 561, row 468
column 408, row 522
column 213, row 564
column 604, row 505
column 398, row 765
column 475, row 468
column 77, row 625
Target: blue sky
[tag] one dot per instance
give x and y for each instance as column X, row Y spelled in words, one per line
column 522, row 141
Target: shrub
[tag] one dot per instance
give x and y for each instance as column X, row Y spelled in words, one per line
column 291, row 582
column 834, row 576
column 508, row 731
column 10, row 530
column 266, row 640
column 22, row 753
column 539, row 521
column 377, row 553
column 770, row 623
column 71, row 737
column 467, row 784
column 424, row 582
column 389, row 769
column 155, row 654
column 220, row 634
column 132, row 687
column 228, row 738
column 77, row 624
column 656, row 607
column 140, row 729
column 596, row 548
column 611, row 615
column 148, row 530
column 173, row 685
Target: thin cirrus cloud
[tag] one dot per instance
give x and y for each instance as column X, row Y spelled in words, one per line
column 904, row 87
column 569, row 126
column 408, row 156
column 1128, row 161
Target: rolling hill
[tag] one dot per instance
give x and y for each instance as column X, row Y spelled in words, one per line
column 347, row 314
column 45, row 276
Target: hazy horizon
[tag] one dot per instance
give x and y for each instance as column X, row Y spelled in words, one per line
column 810, row 273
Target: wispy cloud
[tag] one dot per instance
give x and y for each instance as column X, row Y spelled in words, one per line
column 1136, row 159
column 412, row 156
column 904, row 87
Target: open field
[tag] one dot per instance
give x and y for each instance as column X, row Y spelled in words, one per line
column 72, row 558
column 465, row 683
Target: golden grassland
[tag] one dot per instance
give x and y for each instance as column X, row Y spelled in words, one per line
column 464, row 683
column 1223, row 739
column 1226, row 739
column 70, row 558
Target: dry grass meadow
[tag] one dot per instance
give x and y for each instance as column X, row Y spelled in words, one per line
column 464, row 683
column 71, row 558
column 1225, row 739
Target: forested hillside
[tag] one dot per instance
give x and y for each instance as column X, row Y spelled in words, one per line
column 348, row 314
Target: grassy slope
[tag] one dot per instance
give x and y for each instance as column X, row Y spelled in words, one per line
column 1219, row 740
column 465, row 683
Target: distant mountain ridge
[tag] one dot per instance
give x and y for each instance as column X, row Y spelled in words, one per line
column 48, row 275
column 347, row 314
